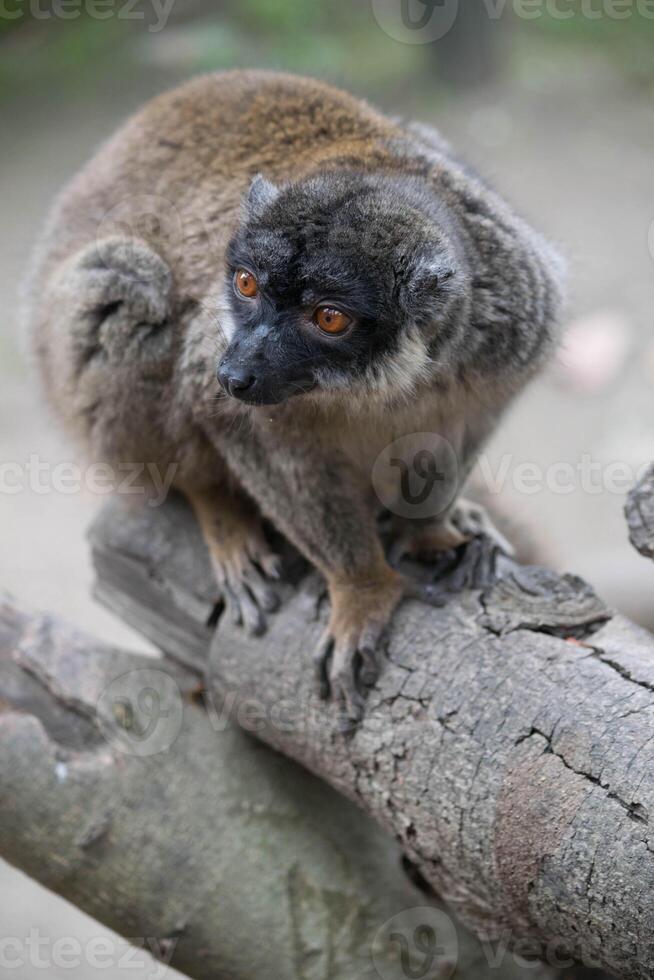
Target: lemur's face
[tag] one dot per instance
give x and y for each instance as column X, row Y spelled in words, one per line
column 335, row 282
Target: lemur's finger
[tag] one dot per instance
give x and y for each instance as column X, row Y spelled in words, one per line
column 463, row 575
column 243, row 608
column 232, row 603
column 265, row 596
column 487, row 569
column 253, row 617
column 321, row 661
column 370, row 654
column 370, row 665
column 271, row 565
column 342, row 679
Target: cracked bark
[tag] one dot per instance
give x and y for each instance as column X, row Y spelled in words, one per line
column 121, row 793
column 639, row 511
column 508, row 745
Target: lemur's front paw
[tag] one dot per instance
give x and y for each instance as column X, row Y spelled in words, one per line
column 348, row 659
column 245, row 570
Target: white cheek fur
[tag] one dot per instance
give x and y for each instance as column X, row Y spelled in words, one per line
column 215, row 316
column 226, row 322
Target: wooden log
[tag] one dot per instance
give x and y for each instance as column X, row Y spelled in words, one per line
column 121, row 793
column 507, row 745
column 639, row 511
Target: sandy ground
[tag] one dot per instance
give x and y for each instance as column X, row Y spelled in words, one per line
column 576, row 156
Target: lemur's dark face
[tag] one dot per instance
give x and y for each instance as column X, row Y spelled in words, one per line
column 338, row 282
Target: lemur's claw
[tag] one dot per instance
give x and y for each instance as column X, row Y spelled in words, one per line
column 349, row 658
column 247, row 591
column 339, row 677
column 476, row 565
column 464, row 552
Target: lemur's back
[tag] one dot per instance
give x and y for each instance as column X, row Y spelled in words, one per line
column 174, row 176
column 193, row 151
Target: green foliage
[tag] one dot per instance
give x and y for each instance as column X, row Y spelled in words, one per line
column 33, row 54
column 278, row 15
column 627, row 39
column 337, row 41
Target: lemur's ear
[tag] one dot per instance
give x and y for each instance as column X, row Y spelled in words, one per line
column 260, row 194
column 427, row 274
column 428, row 281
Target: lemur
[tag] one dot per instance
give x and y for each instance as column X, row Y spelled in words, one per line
column 265, row 281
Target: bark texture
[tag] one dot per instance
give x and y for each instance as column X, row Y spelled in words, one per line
column 640, row 514
column 192, row 839
column 508, row 744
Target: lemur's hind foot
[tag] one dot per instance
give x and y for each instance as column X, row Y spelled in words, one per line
column 465, row 549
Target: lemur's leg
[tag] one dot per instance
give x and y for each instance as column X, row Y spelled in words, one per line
column 242, row 559
column 318, row 502
column 112, row 300
column 457, row 532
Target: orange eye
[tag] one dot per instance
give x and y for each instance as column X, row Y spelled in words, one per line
column 331, row 320
column 245, row 283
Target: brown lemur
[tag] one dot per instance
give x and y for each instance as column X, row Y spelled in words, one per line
column 265, row 281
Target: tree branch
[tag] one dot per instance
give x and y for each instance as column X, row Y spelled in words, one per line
column 508, row 744
column 640, row 514
column 177, row 830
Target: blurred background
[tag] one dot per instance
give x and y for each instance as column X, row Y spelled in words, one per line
column 551, row 99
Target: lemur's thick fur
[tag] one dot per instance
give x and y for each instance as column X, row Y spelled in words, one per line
column 129, row 313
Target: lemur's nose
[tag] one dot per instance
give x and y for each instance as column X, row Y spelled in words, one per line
column 235, row 380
